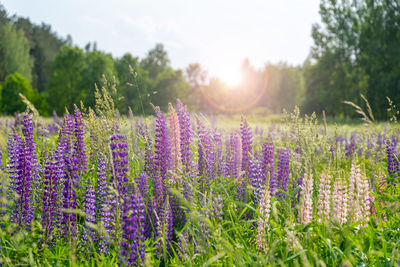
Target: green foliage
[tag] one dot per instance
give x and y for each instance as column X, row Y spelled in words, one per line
column 167, row 87
column 96, row 65
column 3, row 15
column 196, row 77
column 356, row 51
column 65, row 87
column 44, row 45
column 284, row 87
column 156, row 61
column 126, row 67
column 14, row 52
column 12, row 87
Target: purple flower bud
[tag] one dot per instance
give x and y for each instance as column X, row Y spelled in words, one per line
column 90, row 210
column 132, row 245
column 268, row 164
column 393, row 164
column 49, row 198
column 119, row 148
column 103, row 204
column 246, row 135
column 80, row 147
column 20, row 170
column 162, row 157
column 283, row 169
column 185, row 135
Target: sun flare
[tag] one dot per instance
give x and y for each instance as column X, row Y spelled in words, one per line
column 231, row 77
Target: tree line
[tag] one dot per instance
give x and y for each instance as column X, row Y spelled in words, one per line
column 356, row 51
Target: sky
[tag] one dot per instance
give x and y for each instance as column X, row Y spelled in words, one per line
column 218, row 34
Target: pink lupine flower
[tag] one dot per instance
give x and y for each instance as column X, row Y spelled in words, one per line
column 265, row 208
column 174, row 133
column 363, row 201
column 324, row 197
column 354, row 172
column 340, row 199
column 306, row 202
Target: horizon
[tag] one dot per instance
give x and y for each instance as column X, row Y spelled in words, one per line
column 220, row 43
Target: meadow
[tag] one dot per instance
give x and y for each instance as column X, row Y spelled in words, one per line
column 97, row 189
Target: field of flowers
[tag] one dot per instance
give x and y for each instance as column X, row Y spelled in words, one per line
column 98, row 189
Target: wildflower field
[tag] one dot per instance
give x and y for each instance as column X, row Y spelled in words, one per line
column 181, row 189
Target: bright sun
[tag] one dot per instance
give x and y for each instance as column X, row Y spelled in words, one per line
column 231, row 77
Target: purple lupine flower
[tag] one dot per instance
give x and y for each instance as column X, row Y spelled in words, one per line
column 174, row 133
column 350, row 147
column 241, row 190
column 227, row 158
column 380, row 140
column 340, row 139
column 90, row 210
column 185, row 135
column 132, row 245
column 178, row 214
column 119, row 148
column 60, row 172
column 162, row 157
column 246, row 137
column 28, row 133
column 149, row 157
column 80, row 147
column 393, row 164
column 69, row 199
column 14, row 148
column 49, row 211
column 143, row 187
column 217, row 207
column 19, row 169
column 201, row 165
column 165, row 227
column 283, row 169
column 210, row 153
column 206, row 155
column 26, row 185
column 67, row 134
column 246, row 142
column 257, row 179
column 218, row 155
column 31, row 149
column 103, row 205
column 268, row 164
column 235, row 155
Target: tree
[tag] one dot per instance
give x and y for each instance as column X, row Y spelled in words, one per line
column 133, row 83
column 97, row 64
column 196, row 77
column 3, row 15
column 13, row 85
column 14, row 52
column 356, row 50
column 65, row 86
column 164, row 84
column 44, row 45
column 156, row 61
column 168, row 86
